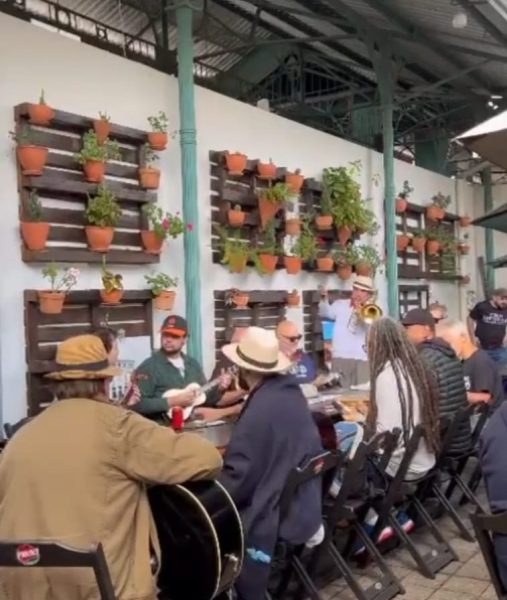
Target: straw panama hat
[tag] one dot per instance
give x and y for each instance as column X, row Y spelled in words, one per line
column 258, row 351
column 82, row 357
column 364, row 284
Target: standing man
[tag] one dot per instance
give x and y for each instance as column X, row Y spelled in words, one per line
column 487, row 323
column 303, row 368
column 349, row 335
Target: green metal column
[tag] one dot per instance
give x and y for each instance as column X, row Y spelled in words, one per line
column 184, row 14
column 489, row 243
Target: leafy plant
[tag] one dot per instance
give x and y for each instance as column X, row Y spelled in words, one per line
column 366, row 221
column 25, row 136
column 150, row 156
column 436, row 234
column 231, row 245
column 32, row 208
column 42, row 99
column 368, row 255
column 103, row 116
column 165, row 224
column 420, row 234
column 347, row 255
column 160, row 282
column 159, row 122
column 103, row 209
column 306, row 247
column 441, row 200
column 61, row 280
column 277, row 194
column 92, row 150
column 111, row 281
column 406, row 191
column 267, row 242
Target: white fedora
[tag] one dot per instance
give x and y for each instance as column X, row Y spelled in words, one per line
column 364, row 284
column 258, row 351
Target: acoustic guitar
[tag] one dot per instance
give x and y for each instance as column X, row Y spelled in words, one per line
column 201, row 539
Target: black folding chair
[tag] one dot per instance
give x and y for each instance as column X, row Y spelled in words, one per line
column 10, row 429
column 29, row 554
column 485, row 526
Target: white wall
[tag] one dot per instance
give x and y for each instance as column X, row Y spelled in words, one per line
column 84, row 80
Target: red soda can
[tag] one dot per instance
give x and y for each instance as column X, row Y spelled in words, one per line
column 177, row 418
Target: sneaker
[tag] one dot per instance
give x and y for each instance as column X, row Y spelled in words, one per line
column 384, row 535
column 406, row 522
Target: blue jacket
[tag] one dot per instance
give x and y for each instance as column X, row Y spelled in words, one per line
column 275, row 433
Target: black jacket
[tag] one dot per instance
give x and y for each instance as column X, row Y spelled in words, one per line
column 448, row 370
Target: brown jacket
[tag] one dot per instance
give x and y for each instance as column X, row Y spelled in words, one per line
column 77, row 474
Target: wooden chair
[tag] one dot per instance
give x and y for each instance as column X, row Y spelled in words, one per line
column 485, row 526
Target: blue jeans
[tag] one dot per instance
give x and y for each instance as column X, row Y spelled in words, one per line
column 499, row 355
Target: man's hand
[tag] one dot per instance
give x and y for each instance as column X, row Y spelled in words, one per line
column 323, row 292
column 225, row 380
column 134, row 396
column 183, row 399
column 207, row 414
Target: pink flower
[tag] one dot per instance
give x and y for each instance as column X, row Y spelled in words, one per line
column 165, row 224
column 190, row 227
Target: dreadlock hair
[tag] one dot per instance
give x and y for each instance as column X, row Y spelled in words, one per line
column 389, row 343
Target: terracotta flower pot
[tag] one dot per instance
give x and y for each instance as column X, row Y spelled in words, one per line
column 99, row 238
column 344, row 234
column 292, row 264
column 364, row 269
column 51, row 303
column 94, row 170
column 292, row 227
column 102, row 130
column 35, row 235
column 402, row 242
column 401, row 205
column 295, row 182
column 40, row 114
column 325, row 264
column 149, row 178
column 237, row 263
column 32, row 159
column 463, row 248
column 293, row 299
column 165, row 300
column 324, row 222
column 432, row 247
column 268, row 262
column 465, row 221
column 157, row 140
column 418, row 244
column 240, row 299
column 266, row 170
column 113, row 297
column 236, row 218
column 236, row 163
column 151, row 241
column 344, row 272
column 267, row 210
column 435, row 213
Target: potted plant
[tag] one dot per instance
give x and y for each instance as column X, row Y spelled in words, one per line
column 149, row 176
column 292, row 225
column 402, row 242
column 433, row 245
column 293, row 298
column 51, row 301
column 41, row 113
column 162, row 225
column 465, row 221
column 294, row 181
column 402, row 198
column 157, row 137
column 418, row 240
column 436, row 210
column 236, row 216
column 345, row 259
column 160, row 285
column 266, row 250
column 102, row 215
column 463, row 246
column 271, row 200
column 93, row 156
column 325, row 263
column 102, row 127
column 324, row 221
column 113, row 285
column 235, row 251
column 235, row 162
column 266, row 170
column 366, row 221
column 367, row 261
column 31, row 156
column 304, row 250
column 343, row 199
column 34, row 230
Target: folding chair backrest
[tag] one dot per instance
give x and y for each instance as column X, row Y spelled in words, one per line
column 10, row 429
column 44, row 554
column 450, row 429
column 485, row 526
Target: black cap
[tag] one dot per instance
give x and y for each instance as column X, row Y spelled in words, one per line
column 418, row 316
column 174, row 325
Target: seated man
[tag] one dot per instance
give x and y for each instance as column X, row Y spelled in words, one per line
column 303, row 368
column 77, row 473
column 274, row 434
column 170, row 369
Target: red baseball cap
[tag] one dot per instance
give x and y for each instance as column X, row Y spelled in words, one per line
column 174, row 325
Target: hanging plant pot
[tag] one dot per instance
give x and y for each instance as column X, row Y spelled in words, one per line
column 465, row 221
column 464, row 280
column 149, row 178
column 40, row 114
column 32, row 159
column 151, row 241
column 165, row 300
column 157, row 140
column 99, row 238
column 112, row 297
column 235, row 163
column 364, row 270
column 292, row 264
column 240, row 299
column 324, row 222
column 35, row 235
column 236, row 218
column 418, row 244
column 268, row 263
column 401, row 205
column 237, row 263
column 266, row 170
column 295, row 182
column 325, row 264
column 293, row 299
column 94, row 170
column 402, row 242
column 435, row 213
column 51, row 303
column 463, row 248
column 344, row 234
column 267, row 210
column 433, row 247
column 344, row 272
column 102, row 130
column 292, row 227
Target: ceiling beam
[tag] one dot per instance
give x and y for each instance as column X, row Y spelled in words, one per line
column 484, row 22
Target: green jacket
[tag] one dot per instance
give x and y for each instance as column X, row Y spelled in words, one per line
column 158, row 376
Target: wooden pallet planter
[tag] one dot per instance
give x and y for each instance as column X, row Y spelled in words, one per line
column 82, row 313
column 413, row 296
column 63, row 192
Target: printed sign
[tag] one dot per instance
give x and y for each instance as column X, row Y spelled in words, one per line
column 27, row 555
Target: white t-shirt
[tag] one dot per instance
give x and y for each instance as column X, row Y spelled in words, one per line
column 179, row 363
column 348, row 341
column 389, row 417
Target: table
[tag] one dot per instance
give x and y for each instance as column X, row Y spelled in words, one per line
column 346, row 405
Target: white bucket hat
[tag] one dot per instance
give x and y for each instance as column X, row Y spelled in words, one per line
column 365, row 284
column 258, row 351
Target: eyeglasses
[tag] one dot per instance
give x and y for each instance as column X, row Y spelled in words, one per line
column 293, row 338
